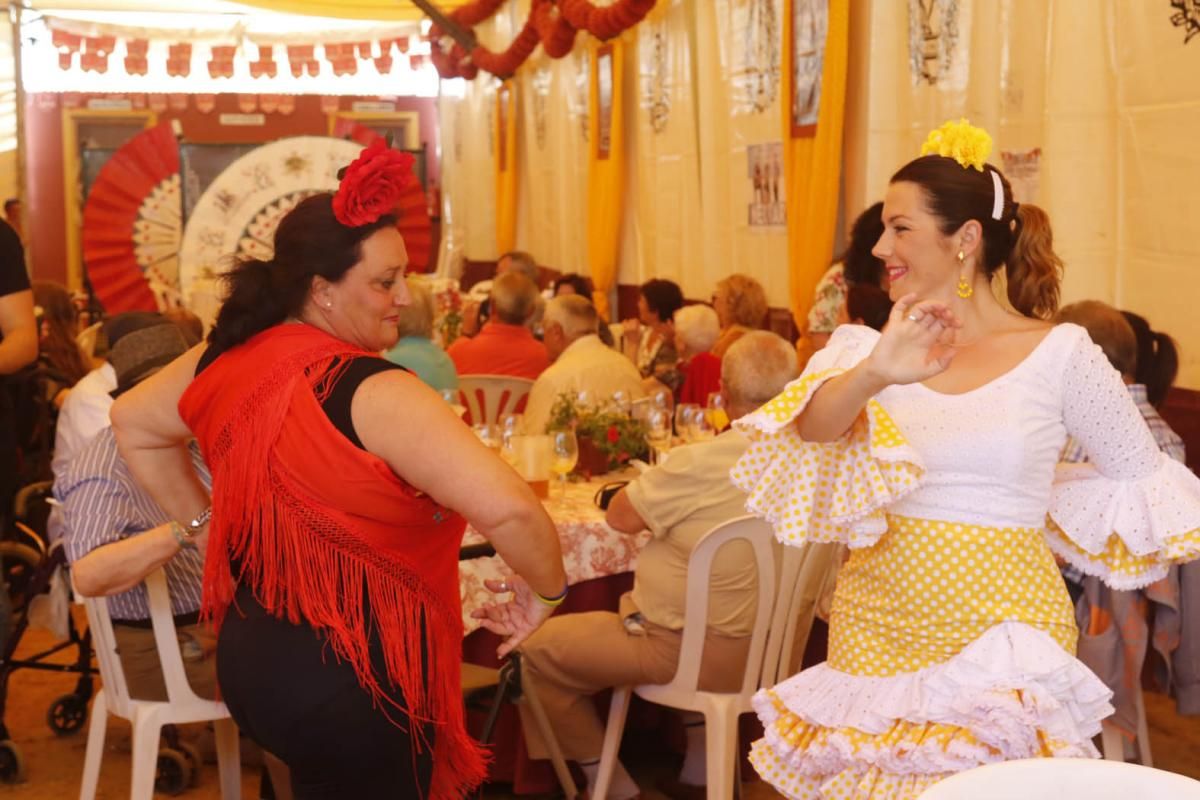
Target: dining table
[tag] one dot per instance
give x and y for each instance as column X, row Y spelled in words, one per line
column 599, row 562
column 591, row 549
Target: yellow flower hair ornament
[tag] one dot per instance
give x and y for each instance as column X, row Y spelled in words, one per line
column 962, row 141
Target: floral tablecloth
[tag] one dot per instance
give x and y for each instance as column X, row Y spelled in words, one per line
column 591, row 549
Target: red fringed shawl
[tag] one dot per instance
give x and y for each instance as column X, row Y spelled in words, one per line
column 317, row 524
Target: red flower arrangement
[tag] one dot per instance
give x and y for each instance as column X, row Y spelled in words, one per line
column 372, row 185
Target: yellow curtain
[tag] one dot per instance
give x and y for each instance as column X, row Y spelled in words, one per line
column 506, row 167
column 812, row 164
column 352, row 9
column 606, row 169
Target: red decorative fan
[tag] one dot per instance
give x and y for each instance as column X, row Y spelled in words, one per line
column 132, row 224
column 412, row 212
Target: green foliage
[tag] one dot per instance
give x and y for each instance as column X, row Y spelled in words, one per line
column 616, row 436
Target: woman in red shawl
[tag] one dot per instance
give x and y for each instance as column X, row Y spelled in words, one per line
column 341, row 489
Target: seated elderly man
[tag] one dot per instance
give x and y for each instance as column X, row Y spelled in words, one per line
column 505, row 345
column 478, row 308
column 582, row 363
column 115, row 535
column 572, row 657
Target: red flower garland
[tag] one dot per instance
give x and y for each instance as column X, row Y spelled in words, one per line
column 553, row 23
column 372, row 185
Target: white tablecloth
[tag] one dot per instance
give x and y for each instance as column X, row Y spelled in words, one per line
column 591, row 549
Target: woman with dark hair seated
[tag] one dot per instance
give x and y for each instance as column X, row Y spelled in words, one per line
column 1157, row 359
column 341, row 488
column 574, row 283
column 857, row 265
column 649, row 340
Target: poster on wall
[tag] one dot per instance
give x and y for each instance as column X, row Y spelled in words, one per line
column 764, row 169
column 938, row 32
column 1023, row 168
column 604, row 100
column 810, row 26
column 754, row 64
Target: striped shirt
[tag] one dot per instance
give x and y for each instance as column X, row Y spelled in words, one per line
column 1168, row 441
column 103, row 504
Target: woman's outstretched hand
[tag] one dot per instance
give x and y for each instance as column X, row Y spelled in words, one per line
column 917, row 342
column 516, row 618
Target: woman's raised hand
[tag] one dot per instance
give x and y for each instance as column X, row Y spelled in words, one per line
column 514, row 619
column 917, row 342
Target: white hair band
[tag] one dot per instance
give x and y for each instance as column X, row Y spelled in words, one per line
column 997, row 195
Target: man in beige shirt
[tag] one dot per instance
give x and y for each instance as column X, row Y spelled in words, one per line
column 574, row 656
column 582, row 363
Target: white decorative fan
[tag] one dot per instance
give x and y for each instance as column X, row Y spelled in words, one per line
column 237, row 215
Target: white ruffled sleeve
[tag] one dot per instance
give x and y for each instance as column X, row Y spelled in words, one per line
column 1132, row 511
column 825, row 492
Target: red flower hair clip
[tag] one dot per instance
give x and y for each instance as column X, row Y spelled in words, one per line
column 372, row 185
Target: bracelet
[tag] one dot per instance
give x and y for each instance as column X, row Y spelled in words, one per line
column 553, row 602
column 181, row 536
column 199, row 521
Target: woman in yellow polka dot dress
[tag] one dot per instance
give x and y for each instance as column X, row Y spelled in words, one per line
column 931, row 450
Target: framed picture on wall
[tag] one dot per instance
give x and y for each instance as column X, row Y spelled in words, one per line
column 810, row 25
column 604, row 100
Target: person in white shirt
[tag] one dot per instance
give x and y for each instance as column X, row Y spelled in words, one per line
column 84, row 413
column 582, row 363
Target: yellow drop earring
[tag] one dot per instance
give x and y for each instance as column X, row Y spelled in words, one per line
column 964, row 289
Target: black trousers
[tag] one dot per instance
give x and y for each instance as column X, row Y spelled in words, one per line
column 287, row 691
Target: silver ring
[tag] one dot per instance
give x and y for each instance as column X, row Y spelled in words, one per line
column 914, row 318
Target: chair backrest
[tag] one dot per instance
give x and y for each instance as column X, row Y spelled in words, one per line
column 695, row 617
column 1056, row 778
column 186, row 705
column 805, row 574
column 490, row 397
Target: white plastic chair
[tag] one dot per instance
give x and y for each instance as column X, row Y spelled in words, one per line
column 801, row 575
column 1112, row 741
column 490, row 397
column 147, row 716
column 1059, row 778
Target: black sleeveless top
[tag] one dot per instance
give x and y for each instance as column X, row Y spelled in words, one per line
column 337, row 403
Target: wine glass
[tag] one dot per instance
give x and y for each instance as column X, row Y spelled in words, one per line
column 700, row 427
column 621, row 402
column 715, row 411
column 566, row 456
column 512, row 423
column 658, row 434
column 683, row 417
column 489, row 434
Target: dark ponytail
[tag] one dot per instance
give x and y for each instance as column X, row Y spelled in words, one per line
column 1033, row 269
column 308, row 242
column 1157, row 359
column 1021, row 240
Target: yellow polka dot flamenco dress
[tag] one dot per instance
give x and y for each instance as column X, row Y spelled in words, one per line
column 952, row 637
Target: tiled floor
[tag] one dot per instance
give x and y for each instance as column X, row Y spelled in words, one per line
column 54, row 764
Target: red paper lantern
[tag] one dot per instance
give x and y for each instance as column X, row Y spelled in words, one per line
column 178, row 101
column 179, row 60
column 135, row 56
column 220, row 64
column 205, row 103
column 266, row 63
column 247, row 103
column 96, row 51
column 330, row 104
column 157, row 103
column 287, row 104
column 384, row 65
column 364, row 49
column 302, row 60
column 268, row 102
